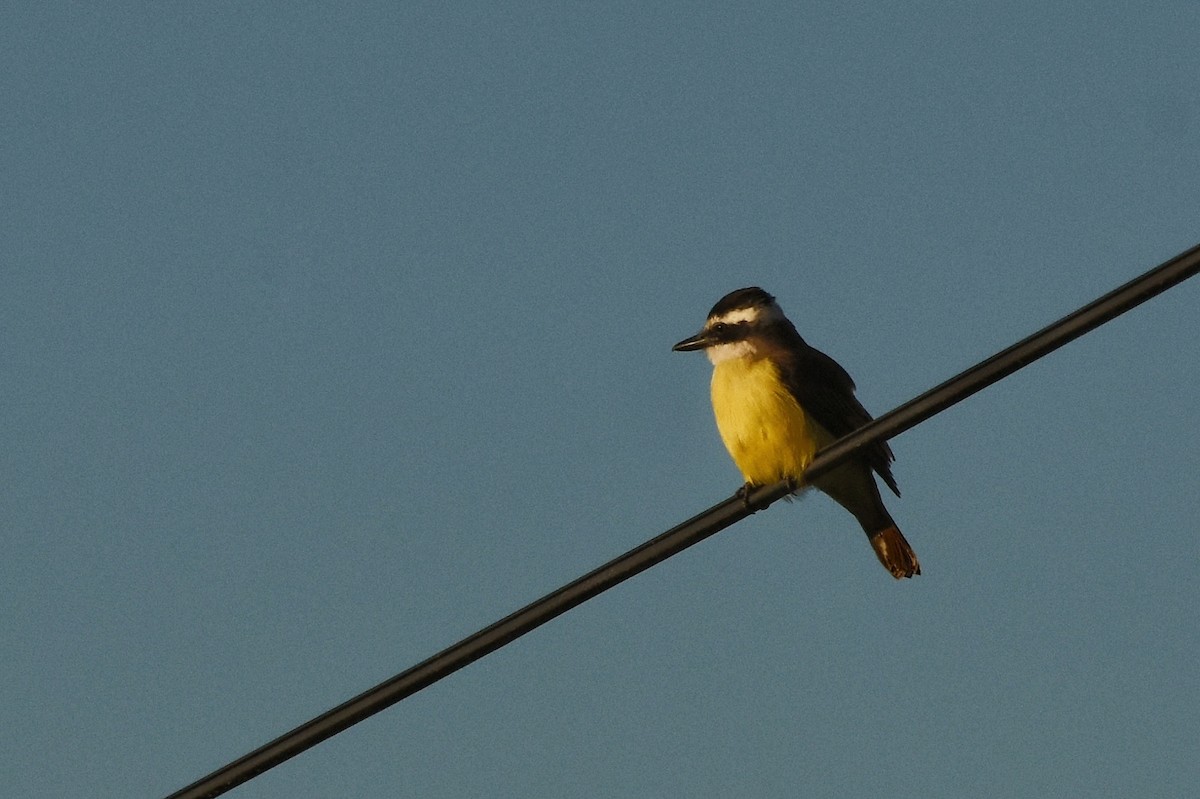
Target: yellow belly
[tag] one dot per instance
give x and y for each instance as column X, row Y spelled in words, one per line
column 767, row 433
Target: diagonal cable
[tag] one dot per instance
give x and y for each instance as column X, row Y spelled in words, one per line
column 696, row 529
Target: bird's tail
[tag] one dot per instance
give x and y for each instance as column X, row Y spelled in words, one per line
column 853, row 487
column 894, row 552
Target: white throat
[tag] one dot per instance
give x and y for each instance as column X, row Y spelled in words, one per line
column 720, row 353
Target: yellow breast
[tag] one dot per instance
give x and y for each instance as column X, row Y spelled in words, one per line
column 767, row 433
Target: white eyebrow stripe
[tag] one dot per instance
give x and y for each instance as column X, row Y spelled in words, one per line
column 735, row 316
column 751, row 314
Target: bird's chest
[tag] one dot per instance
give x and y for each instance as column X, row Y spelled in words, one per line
column 767, row 433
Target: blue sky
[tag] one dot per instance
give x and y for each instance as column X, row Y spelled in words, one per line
column 333, row 333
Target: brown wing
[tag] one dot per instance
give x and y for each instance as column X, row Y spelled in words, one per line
column 825, row 391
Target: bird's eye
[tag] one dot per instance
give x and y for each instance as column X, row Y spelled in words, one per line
column 719, row 328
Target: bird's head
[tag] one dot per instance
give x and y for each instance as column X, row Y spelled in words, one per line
column 735, row 325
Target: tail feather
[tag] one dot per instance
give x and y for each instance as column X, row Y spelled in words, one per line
column 894, row 552
column 853, row 487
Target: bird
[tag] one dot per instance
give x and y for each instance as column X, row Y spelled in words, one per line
column 778, row 401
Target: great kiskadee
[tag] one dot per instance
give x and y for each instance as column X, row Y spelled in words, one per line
column 778, row 401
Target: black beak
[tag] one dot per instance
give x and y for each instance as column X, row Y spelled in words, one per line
column 696, row 342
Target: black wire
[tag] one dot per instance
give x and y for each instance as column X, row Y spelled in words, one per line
column 1007, row 361
column 693, row 531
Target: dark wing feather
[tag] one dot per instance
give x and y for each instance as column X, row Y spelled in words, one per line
column 826, row 392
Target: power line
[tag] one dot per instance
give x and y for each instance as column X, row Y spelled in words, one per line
column 1007, row 361
column 693, row 531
